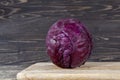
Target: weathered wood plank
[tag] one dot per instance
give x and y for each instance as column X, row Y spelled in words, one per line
column 8, row 72
column 24, row 25
column 99, row 9
column 29, row 42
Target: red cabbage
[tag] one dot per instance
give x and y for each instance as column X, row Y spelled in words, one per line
column 68, row 43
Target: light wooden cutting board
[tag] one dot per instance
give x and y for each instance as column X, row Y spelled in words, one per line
column 89, row 71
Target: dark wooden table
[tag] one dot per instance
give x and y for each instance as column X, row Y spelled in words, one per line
column 24, row 25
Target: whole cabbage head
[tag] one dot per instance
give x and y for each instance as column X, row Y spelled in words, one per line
column 68, row 43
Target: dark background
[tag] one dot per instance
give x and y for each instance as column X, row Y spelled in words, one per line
column 24, row 25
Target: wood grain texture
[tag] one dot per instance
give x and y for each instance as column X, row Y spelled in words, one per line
column 24, row 25
column 89, row 71
column 9, row 72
